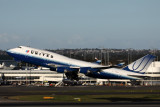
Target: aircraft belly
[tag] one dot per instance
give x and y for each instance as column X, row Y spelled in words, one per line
column 104, row 75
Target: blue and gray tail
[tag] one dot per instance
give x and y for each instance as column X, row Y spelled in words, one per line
column 140, row 65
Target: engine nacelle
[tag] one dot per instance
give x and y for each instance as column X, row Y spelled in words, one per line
column 61, row 70
column 88, row 70
column 65, row 69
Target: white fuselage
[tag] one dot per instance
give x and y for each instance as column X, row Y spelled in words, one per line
column 43, row 58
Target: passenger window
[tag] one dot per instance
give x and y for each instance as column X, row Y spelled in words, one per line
column 36, row 52
column 43, row 54
column 32, row 51
column 47, row 55
column 51, row 56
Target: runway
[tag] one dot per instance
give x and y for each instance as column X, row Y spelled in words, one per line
column 6, row 91
column 75, row 90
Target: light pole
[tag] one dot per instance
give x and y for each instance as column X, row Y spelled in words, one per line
column 108, row 56
column 30, row 76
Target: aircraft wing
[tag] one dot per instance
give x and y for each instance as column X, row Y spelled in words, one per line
column 105, row 67
column 76, row 68
column 56, row 66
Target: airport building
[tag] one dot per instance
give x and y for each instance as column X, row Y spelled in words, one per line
column 38, row 77
column 41, row 77
column 153, row 73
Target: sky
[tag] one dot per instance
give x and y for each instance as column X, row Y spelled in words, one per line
column 56, row 24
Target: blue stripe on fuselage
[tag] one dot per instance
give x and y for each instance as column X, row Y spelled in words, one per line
column 35, row 60
column 105, row 75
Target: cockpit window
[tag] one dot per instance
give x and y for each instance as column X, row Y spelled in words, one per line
column 19, row 47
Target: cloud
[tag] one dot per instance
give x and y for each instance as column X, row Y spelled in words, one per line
column 12, row 40
column 75, row 39
column 6, row 38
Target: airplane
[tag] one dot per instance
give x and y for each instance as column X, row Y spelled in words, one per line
column 72, row 67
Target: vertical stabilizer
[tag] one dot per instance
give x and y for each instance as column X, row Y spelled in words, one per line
column 140, row 65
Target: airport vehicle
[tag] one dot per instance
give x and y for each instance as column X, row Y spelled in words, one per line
column 72, row 67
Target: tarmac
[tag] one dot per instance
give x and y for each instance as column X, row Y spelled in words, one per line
column 6, row 91
column 68, row 90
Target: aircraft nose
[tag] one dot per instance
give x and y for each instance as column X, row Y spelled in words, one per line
column 9, row 51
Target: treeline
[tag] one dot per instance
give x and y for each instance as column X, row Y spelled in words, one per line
column 4, row 55
column 108, row 56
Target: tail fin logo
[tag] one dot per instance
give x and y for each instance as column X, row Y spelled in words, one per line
column 141, row 64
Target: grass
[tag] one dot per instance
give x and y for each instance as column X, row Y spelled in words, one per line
column 132, row 96
column 90, row 98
